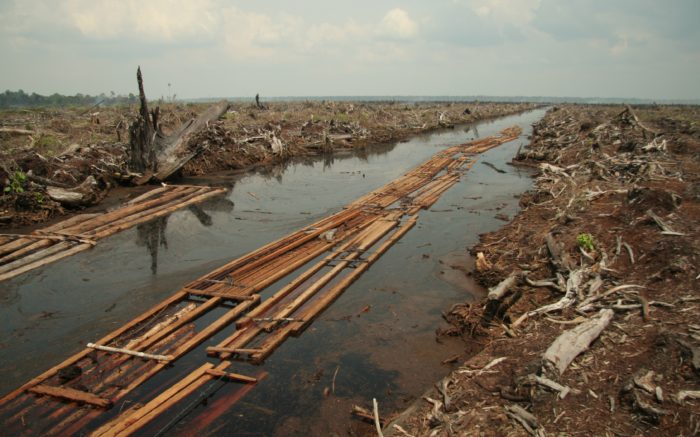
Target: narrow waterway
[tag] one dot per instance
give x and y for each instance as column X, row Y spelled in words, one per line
column 376, row 341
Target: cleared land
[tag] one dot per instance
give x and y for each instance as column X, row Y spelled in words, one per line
column 86, row 150
column 590, row 326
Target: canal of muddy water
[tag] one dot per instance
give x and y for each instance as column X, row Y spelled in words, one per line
column 376, row 341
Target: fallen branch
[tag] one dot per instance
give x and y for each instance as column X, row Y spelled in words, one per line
column 44, row 181
column 586, row 305
column 575, row 341
column 665, row 229
column 477, row 372
column 523, row 417
column 572, row 286
column 16, row 131
column 685, row 394
column 543, row 283
column 553, row 385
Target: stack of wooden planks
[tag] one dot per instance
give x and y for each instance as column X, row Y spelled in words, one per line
column 22, row 253
column 317, row 264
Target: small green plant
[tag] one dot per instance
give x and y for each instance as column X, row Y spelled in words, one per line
column 16, row 183
column 585, row 241
column 38, row 198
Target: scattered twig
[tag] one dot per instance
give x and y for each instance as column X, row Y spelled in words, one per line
column 335, row 374
column 375, row 409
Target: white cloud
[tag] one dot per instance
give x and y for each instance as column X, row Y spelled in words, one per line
column 398, row 24
column 473, row 46
column 156, row 20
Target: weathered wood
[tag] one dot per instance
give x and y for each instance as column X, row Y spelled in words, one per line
column 71, row 395
column 174, row 154
column 560, row 259
column 141, row 134
column 500, row 290
column 82, row 354
column 134, row 421
column 574, row 341
column 16, row 131
column 119, row 350
column 231, row 350
column 79, row 233
column 84, row 194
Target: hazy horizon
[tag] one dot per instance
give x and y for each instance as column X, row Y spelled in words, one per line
column 622, row 49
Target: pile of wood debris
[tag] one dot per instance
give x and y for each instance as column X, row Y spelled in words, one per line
column 590, row 324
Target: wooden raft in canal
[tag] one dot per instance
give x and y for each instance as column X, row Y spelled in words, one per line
column 92, row 390
column 22, row 253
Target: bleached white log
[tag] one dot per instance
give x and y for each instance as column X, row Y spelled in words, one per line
column 575, row 341
column 118, row 350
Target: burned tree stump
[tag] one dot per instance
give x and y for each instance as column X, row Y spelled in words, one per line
column 153, row 154
column 142, row 134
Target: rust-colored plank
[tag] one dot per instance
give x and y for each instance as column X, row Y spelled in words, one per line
column 71, row 395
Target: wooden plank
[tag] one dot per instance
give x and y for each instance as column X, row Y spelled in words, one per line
column 133, row 353
column 172, row 327
column 125, row 220
column 76, row 219
column 82, row 354
column 120, row 213
column 159, row 212
column 369, row 237
column 71, row 395
column 150, row 193
column 321, row 304
column 231, row 350
column 60, row 254
column 232, row 376
column 124, row 425
column 21, row 250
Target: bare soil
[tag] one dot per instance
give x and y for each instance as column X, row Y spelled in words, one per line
column 607, row 174
column 64, row 147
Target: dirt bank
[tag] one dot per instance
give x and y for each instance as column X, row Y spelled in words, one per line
column 606, row 252
column 87, row 148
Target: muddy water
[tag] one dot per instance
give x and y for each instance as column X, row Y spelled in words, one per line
column 377, row 340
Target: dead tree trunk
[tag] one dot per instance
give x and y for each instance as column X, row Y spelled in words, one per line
column 141, row 135
column 156, row 156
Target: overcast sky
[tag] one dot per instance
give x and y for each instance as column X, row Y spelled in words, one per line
column 208, row 48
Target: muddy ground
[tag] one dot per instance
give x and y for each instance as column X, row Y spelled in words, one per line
column 611, row 228
column 86, row 149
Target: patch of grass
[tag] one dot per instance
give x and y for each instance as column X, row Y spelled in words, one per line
column 341, row 117
column 48, row 143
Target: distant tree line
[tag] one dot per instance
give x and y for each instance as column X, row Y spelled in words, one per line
column 10, row 99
